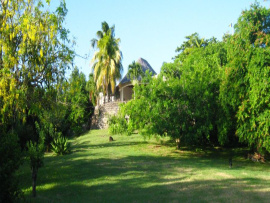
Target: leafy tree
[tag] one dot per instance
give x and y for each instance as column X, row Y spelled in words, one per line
column 200, row 79
column 245, row 88
column 107, row 59
column 80, row 107
column 33, row 57
column 171, row 70
column 36, row 155
column 193, row 41
column 183, row 101
column 155, row 108
column 70, row 110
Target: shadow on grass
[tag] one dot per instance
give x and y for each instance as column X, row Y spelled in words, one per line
column 88, row 145
column 143, row 179
column 93, row 173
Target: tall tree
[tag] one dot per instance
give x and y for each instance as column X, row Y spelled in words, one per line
column 79, row 103
column 33, row 56
column 107, row 60
column 245, row 87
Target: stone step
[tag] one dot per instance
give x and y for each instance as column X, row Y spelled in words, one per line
column 100, row 117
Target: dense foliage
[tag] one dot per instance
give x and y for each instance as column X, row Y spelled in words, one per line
column 214, row 92
column 10, row 161
column 186, row 107
column 117, row 125
column 79, row 105
column 36, row 101
column 33, row 57
column 245, row 87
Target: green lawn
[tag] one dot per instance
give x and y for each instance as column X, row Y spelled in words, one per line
column 132, row 169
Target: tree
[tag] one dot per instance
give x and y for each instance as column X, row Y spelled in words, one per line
column 193, row 41
column 245, row 87
column 80, row 107
column 182, row 102
column 107, row 59
column 36, row 155
column 33, row 57
column 135, row 71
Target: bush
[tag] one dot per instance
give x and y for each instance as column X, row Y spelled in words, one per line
column 60, row 145
column 10, row 160
column 117, row 125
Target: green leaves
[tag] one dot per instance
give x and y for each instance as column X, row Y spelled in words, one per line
column 60, row 145
column 118, row 125
column 183, row 101
column 10, row 161
column 106, row 62
column 36, row 149
column 36, row 154
column 34, row 55
column 245, row 87
column 135, row 71
column 79, row 106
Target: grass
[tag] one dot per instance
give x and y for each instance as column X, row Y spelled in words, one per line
column 132, row 169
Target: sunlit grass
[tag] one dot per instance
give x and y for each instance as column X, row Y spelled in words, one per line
column 134, row 169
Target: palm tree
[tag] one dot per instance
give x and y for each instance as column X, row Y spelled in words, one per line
column 134, row 71
column 107, row 66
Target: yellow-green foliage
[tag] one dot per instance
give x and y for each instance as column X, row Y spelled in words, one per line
column 33, row 56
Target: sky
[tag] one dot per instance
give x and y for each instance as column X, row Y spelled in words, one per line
column 150, row 29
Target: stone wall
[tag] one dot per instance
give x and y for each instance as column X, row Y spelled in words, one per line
column 101, row 114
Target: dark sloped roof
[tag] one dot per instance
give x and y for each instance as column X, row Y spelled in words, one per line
column 145, row 66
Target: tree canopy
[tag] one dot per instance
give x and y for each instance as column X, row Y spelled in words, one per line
column 35, row 53
column 214, row 91
column 245, row 87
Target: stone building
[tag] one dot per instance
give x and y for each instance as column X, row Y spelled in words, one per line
column 123, row 93
column 125, row 87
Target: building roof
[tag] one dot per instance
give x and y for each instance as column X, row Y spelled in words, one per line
column 145, row 66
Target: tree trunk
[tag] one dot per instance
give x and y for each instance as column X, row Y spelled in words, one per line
column 34, row 181
column 178, row 143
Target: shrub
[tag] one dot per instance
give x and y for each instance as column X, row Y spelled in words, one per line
column 10, row 160
column 60, row 145
column 117, row 125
